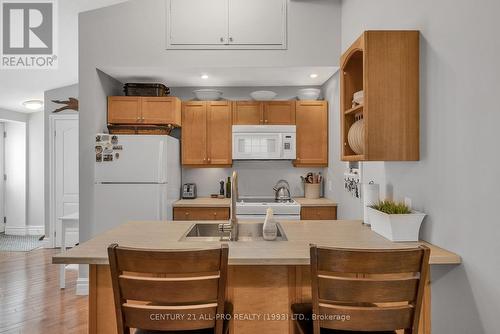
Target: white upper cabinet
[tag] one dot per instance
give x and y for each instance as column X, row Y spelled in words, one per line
column 226, row 24
column 257, row 22
column 197, row 22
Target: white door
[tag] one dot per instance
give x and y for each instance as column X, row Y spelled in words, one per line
column 197, row 22
column 2, row 181
column 65, row 174
column 257, row 22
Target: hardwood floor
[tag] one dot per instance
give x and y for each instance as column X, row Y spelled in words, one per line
column 30, row 298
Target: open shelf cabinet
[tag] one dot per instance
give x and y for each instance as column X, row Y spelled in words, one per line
column 385, row 66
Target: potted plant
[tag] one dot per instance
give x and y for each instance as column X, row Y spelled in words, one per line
column 395, row 221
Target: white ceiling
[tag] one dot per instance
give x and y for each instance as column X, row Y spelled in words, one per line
column 225, row 76
column 17, row 86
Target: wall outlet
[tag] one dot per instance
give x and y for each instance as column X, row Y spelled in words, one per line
column 408, row 202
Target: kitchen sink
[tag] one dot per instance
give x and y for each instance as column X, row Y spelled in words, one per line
column 246, row 232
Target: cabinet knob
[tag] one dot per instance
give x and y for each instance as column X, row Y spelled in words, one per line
column 265, row 121
column 138, row 118
column 230, row 39
column 262, row 121
column 222, row 39
column 215, row 214
column 186, row 213
column 208, row 159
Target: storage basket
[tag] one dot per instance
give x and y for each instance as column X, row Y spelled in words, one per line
column 145, row 89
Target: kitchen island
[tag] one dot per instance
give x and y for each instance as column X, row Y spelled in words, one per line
column 264, row 279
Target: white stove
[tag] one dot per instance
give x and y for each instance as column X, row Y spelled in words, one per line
column 253, row 208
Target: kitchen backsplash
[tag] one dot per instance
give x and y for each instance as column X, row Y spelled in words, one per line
column 255, row 178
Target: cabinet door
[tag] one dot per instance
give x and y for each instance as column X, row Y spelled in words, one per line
column 198, row 213
column 248, row 113
column 124, row 109
column 279, row 112
column 257, row 22
column 161, row 110
column 318, row 213
column 194, row 133
column 197, row 22
column 219, row 133
column 312, row 133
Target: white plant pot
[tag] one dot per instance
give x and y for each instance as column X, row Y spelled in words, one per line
column 401, row 227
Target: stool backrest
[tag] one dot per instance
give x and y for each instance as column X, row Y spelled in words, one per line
column 368, row 290
column 168, row 290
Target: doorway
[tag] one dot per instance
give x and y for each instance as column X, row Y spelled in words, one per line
column 64, row 190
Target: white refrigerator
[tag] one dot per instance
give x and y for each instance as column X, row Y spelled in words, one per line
column 137, row 177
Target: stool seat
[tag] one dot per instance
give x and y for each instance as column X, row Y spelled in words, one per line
column 305, row 323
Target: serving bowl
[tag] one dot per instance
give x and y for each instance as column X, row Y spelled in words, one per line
column 207, row 94
column 308, row 94
column 263, row 95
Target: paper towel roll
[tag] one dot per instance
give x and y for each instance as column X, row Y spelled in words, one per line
column 371, row 195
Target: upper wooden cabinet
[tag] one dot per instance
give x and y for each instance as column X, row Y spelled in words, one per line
column 264, row 113
column 248, row 113
column 385, row 65
column 136, row 110
column 312, row 133
column 226, row 24
column 279, row 112
column 206, row 133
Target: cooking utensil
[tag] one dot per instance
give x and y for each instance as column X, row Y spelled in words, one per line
column 282, row 191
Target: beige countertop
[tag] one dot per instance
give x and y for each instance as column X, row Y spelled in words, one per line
column 203, row 202
column 295, row 251
column 314, row 202
column 207, row 202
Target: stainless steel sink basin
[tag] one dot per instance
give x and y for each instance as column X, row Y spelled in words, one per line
column 246, row 232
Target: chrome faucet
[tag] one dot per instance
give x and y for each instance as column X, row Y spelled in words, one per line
column 232, row 225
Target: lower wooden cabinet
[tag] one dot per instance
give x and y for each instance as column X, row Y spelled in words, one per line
column 197, row 213
column 318, row 213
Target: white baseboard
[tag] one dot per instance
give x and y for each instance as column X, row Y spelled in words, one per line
column 82, row 286
column 25, row 230
column 47, row 243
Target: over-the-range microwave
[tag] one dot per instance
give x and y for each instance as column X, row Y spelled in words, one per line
column 264, row 142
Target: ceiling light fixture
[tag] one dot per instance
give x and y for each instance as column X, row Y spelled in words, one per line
column 33, row 104
column 313, row 75
column 204, row 76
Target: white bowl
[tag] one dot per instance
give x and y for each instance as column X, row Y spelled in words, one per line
column 207, row 94
column 308, row 94
column 263, row 95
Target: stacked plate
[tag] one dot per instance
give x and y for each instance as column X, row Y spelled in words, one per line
column 356, row 137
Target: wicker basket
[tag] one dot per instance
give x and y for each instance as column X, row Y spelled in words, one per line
column 139, row 130
column 143, row 89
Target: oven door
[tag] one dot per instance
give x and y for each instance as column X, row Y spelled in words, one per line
column 257, row 146
column 260, row 218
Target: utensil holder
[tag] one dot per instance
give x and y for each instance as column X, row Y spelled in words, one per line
column 312, row 190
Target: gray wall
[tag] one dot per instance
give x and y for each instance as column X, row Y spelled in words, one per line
column 455, row 181
column 132, row 34
column 61, row 93
column 36, row 150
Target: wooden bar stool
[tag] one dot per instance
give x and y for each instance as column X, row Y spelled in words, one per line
column 160, row 291
column 364, row 291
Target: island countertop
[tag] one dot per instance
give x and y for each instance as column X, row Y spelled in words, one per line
column 295, row 251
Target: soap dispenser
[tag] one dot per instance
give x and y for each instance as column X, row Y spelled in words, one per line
column 270, row 229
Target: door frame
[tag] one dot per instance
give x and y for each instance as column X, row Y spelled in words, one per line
column 51, row 242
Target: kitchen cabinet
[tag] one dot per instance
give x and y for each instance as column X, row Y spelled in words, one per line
column 124, row 109
column 206, row 134
column 312, row 133
column 318, row 213
column 279, row 113
column 247, row 113
column 264, row 113
column 137, row 110
column 226, row 24
column 197, row 213
column 385, row 66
